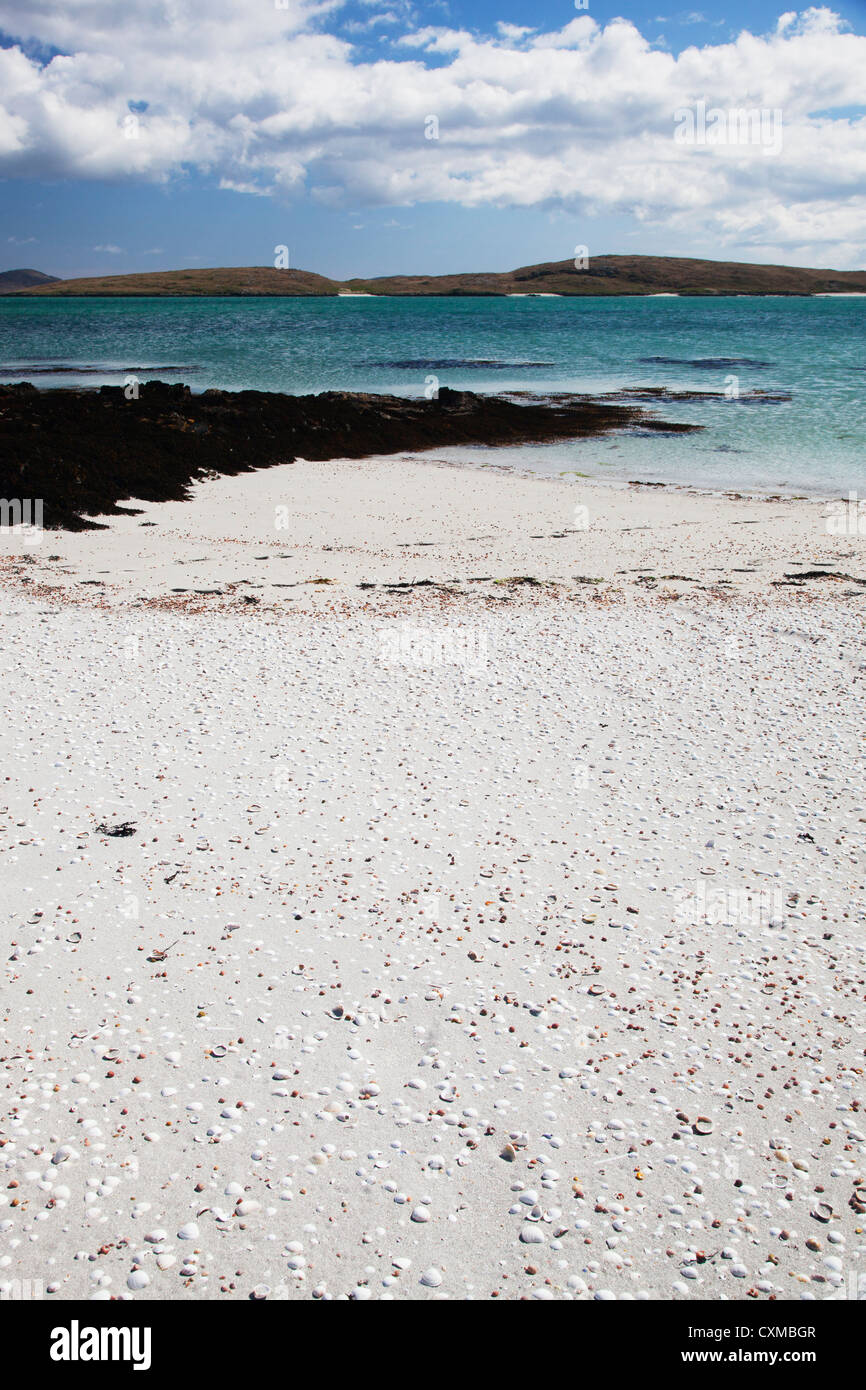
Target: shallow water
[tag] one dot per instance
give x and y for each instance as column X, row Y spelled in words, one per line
column 810, row 348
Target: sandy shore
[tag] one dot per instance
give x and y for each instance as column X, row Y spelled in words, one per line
column 275, row 534
column 457, row 947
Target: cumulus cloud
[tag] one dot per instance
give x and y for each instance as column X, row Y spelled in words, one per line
column 267, row 101
column 512, row 31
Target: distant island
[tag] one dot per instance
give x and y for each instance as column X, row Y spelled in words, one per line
column 11, row 280
column 603, row 275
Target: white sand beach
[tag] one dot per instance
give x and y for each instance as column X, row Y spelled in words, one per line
column 401, row 519
column 494, row 940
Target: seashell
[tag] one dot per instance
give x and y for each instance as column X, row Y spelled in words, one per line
column 75, row 937
column 822, row 1212
column 530, row 1235
column 702, row 1125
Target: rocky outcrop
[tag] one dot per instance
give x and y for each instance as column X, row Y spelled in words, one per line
column 85, row 452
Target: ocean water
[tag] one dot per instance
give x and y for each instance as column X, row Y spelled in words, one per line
column 811, row 349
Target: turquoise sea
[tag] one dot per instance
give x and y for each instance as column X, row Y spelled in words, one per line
column 812, row 349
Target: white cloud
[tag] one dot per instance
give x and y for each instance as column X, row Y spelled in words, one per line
column 512, row 31
column 816, row 20
column 576, row 33
column 235, row 186
column 264, row 100
column 110, row 250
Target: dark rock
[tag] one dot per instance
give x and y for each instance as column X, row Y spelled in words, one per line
column 83, row 452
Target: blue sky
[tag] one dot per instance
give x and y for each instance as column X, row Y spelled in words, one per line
column 678, row 26
column 304, row 125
